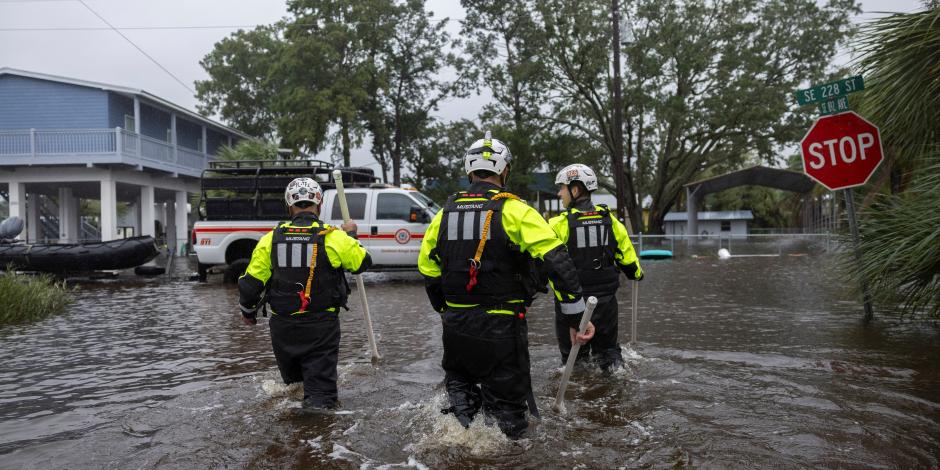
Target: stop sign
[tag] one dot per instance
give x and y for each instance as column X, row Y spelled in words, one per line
column 841, row 151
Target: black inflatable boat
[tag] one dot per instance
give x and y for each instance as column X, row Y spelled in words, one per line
column 65, row 258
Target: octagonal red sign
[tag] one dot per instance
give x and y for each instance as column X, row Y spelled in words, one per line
column 841, row 151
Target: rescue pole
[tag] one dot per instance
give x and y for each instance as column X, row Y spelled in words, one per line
column 559, row 404
column 360, row 286
column 635, row 292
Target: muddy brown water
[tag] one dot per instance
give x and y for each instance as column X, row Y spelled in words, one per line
column 741, row 363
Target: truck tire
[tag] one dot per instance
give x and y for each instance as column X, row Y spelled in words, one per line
column 234, row 270
column 202, row 272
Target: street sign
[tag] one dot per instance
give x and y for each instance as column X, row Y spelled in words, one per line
column 834, row 107
column 841, row 151
column 830, row 91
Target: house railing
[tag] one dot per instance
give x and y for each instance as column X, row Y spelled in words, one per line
column 36, row 143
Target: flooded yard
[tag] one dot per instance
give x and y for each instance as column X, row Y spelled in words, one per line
column 745, row 363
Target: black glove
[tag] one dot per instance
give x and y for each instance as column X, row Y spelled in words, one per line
column 435, row 293
column 249, row 315
column 632, row 271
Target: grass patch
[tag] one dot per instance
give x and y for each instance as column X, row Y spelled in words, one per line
column 25, row 298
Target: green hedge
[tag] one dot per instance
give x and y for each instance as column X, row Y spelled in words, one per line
column 25, row 298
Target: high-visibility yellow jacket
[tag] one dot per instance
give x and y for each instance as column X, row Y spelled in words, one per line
column 293, row 261
column 625, row 255
column 524, row 228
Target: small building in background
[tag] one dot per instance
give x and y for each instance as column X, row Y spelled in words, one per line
column 710, row 223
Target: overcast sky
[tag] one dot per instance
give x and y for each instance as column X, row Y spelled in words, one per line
column 35, row 36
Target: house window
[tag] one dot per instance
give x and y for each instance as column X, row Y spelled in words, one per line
column 357, row 207
column 129, row 123
column 394, row 207
column 725, row 225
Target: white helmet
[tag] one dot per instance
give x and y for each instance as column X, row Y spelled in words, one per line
column 577, row 172
column 303, row 189
column 487, row 154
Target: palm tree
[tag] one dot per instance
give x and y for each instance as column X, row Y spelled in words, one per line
column 900, row 233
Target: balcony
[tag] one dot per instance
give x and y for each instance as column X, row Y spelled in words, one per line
column 98, row 146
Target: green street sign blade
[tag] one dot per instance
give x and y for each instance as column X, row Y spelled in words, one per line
column 834, row 106
column 830, row 91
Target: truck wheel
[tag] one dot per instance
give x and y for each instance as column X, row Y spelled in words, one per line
column 234, row 270
column 202, row 272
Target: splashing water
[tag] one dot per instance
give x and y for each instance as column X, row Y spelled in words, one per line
column 479, row 439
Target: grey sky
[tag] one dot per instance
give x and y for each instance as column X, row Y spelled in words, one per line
column 104, row 56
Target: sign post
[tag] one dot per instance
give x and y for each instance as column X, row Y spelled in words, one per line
column 842, row 151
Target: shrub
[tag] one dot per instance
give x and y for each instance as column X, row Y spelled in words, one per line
column 25, row 298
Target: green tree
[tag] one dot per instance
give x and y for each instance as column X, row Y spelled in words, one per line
column 900, row 245
column 249, row 149
column 405, row 87
column 322, row 70
column 706, row 83
column 438, row 168
column 900, row 232
column 239, row 88
column 900, row 63
column 502, row 47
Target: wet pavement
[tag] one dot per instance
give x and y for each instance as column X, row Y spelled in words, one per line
column 741, row 363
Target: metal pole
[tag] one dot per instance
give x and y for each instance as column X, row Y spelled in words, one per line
column 559, row 404
column 360, row 286
column 853, row 226
column 635, row 293
column 617, row 125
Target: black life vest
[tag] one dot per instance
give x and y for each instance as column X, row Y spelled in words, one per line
column 502, row 269
column 592, row 246
column 292, row 249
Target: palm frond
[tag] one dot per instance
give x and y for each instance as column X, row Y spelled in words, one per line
column 900, row 59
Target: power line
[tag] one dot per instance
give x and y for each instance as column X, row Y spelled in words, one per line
column 131, row 28
column 164, row 28
column 138, row 47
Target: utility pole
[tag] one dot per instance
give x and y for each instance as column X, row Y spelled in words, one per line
column 617, row 126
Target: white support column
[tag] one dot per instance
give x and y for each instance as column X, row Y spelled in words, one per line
column 32, row 217
column 108, row 209
column 205, row 145
column 137, row 122
column 180, row 219
column 68, row 216
column 17, row 201
column 173, row 137
column 170, row 226
column 147, row 214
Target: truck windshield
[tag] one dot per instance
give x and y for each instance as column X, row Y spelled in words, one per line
column 431, row 205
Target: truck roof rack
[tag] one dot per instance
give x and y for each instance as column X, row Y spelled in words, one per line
column 254, row 189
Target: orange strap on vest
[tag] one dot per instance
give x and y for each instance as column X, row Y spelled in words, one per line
column 475, row 261
column 305, row 295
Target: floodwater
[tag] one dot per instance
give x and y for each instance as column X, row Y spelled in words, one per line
column 741, row 363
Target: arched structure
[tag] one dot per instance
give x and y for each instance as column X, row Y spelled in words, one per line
column 787, row 180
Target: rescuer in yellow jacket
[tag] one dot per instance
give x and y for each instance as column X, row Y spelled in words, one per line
column 297, row 270
column 600, row 247
column 478, row 258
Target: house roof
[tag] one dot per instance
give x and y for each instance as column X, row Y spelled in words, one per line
column 778, row 178
column 129, row 92
column 710, row 215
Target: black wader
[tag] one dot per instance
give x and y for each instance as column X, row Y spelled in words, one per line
column 486, row 365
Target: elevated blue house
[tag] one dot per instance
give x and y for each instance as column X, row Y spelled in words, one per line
column 64, row 139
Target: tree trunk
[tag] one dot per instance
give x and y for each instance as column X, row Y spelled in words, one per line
column 396, row 153
column 344, row 128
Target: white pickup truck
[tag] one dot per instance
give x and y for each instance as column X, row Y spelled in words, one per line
column 391, row 221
